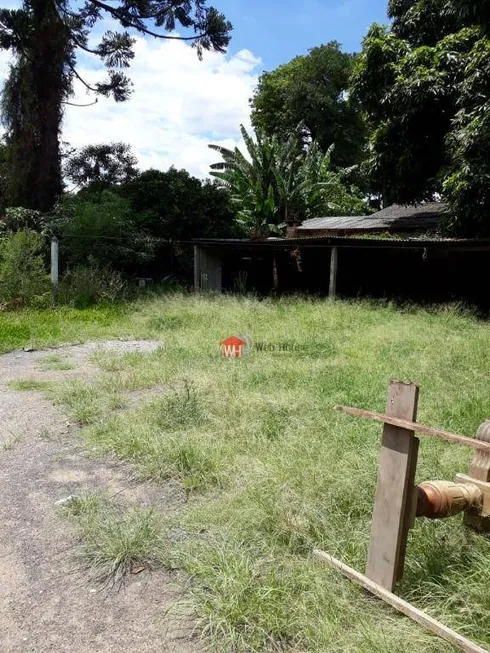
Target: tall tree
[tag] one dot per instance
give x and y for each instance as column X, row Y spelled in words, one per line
column 424, row 83
column 46, row 36
column 312, row 90
column 101, row 166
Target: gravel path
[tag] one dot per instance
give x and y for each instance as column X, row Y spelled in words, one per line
column 46, row 603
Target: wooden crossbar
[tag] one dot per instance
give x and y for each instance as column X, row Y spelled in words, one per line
column 402, row 606
column 418, row 428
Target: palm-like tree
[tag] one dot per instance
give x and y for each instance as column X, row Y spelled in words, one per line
column 303, row 178
column 278, row 181
column 251, row 180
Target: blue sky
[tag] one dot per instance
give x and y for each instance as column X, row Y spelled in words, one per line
column 180, row 104
column 278, row 30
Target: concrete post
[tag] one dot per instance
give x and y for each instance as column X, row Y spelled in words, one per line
column 55, row 251
column 334, row 261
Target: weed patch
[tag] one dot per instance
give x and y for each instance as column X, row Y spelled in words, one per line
column 27, row 385
column 116, row 541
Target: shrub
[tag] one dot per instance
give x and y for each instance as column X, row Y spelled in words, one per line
column 17, row 218
column 90, row 284
column 23, row 276
column 103, row 229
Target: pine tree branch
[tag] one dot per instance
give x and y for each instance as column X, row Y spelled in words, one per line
column 84, row 47
column 74, row 104
column 74, row 71
column 125, row 18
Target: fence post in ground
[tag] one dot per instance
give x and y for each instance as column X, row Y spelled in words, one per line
column 55, row 251
column 207, row 270
column 334, row 262
column 395, row 504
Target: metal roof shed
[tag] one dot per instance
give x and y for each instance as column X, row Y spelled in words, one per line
column 325, row 257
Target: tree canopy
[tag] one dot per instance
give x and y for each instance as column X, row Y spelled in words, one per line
column 313, row 90
column 424, row 84
column 46, row 38
column 101, row 165
column 173, row 205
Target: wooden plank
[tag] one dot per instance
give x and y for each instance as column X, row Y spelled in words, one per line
column 411, row 508
column 413, row 426
column 213, row 268
column 394, row 492
column 207, row 270
column 402, row 606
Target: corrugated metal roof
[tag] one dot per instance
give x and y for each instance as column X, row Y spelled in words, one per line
column 395, row 218
column 343, row 241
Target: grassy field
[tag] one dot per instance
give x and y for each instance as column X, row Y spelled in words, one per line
column 271, row 470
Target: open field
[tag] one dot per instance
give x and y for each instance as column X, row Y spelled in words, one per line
column 270, row 469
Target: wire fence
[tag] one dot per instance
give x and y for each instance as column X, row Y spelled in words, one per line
column 172, row 260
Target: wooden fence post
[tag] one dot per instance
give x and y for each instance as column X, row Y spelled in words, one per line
column 395, row 503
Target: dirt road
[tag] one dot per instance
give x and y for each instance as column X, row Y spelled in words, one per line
column 46, row 602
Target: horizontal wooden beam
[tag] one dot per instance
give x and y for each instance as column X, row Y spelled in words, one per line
column 402, row 606
column 418, row 428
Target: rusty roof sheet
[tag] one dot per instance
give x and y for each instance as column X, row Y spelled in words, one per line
column 395, row 218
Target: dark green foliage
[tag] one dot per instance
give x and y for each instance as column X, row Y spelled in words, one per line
column 312, row 90
column 101, row 166
column 45, row 36
column 467, row 186
column 173, row 205
column 422, row 23
column 19, row 219
column 90, row 284
column 104, row 231
column 425, row 87
column 32, row 107
column 4, row 174
column 23, row 276
column 281, row 181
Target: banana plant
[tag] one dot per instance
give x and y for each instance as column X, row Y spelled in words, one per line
column 276, row 181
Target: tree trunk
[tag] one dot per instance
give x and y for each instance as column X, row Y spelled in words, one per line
column 38, row 84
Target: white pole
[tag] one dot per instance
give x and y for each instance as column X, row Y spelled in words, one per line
column 55, row 250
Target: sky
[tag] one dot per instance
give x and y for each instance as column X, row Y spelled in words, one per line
column 180, row 104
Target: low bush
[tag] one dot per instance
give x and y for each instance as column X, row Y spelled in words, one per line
column 102, row 228
column 23, row 275
column 86, row 285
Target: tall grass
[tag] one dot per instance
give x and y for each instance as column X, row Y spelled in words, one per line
column 272, row 471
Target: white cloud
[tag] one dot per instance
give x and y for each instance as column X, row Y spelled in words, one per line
column 179, row 105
